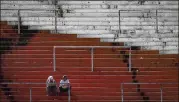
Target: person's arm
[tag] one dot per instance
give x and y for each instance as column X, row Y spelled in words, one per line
column 68, row 82
column 55, row 83
column 47, row 83
column 60, row 84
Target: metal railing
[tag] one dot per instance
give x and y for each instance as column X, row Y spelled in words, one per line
column 30, row 88
column 146, row 11
column 92, row 54
column 69, row 91
column 19, row 22
column 119, row 12
column 161, row 89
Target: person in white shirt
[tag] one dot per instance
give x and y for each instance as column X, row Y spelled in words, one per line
column 64, row 85
column 51, row 86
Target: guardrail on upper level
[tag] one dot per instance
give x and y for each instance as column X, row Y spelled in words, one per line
column 92, row 53
column 160, row 89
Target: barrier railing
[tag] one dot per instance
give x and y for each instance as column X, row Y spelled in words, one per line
column 30, row 88
column 160, row 89
column 92, row 53
column 69, row 91
column 19, row 22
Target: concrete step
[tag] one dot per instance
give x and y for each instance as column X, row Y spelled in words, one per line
column 92, row 2
column 132, row 20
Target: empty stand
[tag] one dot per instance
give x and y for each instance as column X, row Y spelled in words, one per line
column 34, row 63
column 150, row 24
column 27, row 59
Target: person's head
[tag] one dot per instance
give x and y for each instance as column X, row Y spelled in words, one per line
column 64, row 77
column 50, row 78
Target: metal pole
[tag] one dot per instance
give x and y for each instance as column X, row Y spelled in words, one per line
column 19, row 23
column 56, row 17
column 156, row 21
column 92, row 59
column 161, row 93
column 130, row 60
column 54, row 59
column 122, row 92
column 30, row 95
column 69, row 94
column 119, row 22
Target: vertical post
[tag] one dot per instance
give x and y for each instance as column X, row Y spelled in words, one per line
column 30, row 95
column 130, row 60
column 122, row 93
column 161, row 93
column 54, row 59
column 163, row 47
column 69, row 94
column 119, row 22
column 19, row 23
column 92, row 59
column 56, row 16
column 156, row 21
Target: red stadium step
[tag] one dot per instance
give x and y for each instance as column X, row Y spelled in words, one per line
column 70, row 55
column 158, row 69
column 109, row 70
column 148, row 72
column 3, row 97
column 152, row 62
column 46, row 34
column 7, row 31
column 157, row 56
column 26, row 69
column 145, row 52
column 32, row 52
column 26, row 56
column 74, row 77
column 78, row 80
column 62, row 37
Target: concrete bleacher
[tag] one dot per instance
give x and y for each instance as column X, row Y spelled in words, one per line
column 100, row 19
column 33, row 63
column 3, row 97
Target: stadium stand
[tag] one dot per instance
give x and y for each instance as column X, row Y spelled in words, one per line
column 151, row 24
column 33, row 64
column 27, row 58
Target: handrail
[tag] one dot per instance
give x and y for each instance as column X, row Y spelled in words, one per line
column 30, row 95
column 19, row 22
column 122, row 93
column 161, row 89
column 92, row 54
column 56, row 17
column 150, row 83
column 161, row 93
column 30, row 89
column 34, row 83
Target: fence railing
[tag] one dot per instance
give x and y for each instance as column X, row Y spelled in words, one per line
column 92, row 54
column 69, row 91
column 19, row 22
column 30, row 88
column 160, row 89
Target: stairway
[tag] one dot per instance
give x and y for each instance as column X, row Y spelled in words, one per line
column 33, row 63
column 160, row 71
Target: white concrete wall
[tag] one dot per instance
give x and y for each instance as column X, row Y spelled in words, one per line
column 100, row 19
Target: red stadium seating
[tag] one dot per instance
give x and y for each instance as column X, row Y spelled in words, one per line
column 34, row 63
